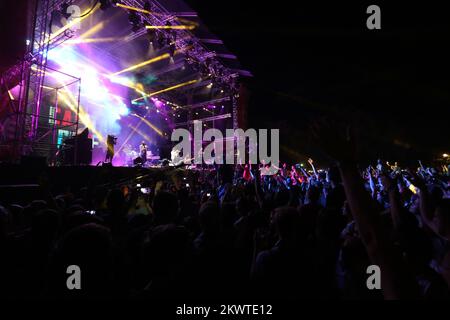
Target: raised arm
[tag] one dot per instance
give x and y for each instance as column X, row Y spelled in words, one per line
column 311, row 163
column 395, row 207
column 257, row 184
column 371, row 183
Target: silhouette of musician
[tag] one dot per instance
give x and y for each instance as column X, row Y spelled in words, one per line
column 143, row 152
column 110, row 142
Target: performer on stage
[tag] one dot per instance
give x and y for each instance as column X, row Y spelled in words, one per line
column 143, row 152
column 110, row 142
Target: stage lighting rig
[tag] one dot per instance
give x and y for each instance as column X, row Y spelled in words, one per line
column 148, row 6
column 151, row 35
column 135, row 21
column 114, row 3
column 161, row 42
column 204, row 69
column 172, row 33
column 197, row 56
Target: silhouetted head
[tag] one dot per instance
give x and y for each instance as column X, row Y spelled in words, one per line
column 5, row 219
column 282, row 198
column 115, row 200
column 165, row 207
column 45, row 225
column 99, row 196
column 286, row 220
column 209, row 217
column 313, row 194
column 90, row 248
column 442, row 218
column 166, row 250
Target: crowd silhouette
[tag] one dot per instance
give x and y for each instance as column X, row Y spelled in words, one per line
column 230, row 232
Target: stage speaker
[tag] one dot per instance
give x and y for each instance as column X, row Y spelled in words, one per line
column 165, row 151
column 165, row 162
column 84, row 154
column 138, row 161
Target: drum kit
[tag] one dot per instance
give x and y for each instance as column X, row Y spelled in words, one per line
column 133, row 158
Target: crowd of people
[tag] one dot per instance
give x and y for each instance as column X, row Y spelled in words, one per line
column 231, row 232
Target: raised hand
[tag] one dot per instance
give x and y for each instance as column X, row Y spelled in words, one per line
column 388, row 183
column 335, row 139
column 369, row 172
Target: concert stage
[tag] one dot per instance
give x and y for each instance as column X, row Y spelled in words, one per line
column 21, row 183
column 132, row 69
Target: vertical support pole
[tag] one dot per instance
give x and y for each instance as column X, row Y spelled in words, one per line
column 235, row 111
column 55, row 128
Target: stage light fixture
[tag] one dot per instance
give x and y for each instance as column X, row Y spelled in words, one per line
column 204, row 70
column 135, row 21
column 161, row 42
column 147, row 6
column 104, row 4
column 133, row 17
column 178, row 27
column 167, row 89
column 151, row 35
column 135, row 28
column 115, row 3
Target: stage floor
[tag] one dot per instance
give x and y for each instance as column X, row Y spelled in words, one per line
column 21, row 182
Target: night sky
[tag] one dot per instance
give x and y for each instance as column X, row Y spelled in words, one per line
column 310, row 60
column 316, row 59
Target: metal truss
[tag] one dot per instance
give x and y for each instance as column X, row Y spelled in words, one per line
column 205, row 103
column 207, row 119
column 197, row 54
column 35, row 127
column 184, row 41
column 30, row 132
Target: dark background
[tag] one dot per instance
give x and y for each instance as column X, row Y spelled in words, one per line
column 310, row 60
column 314, row 59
